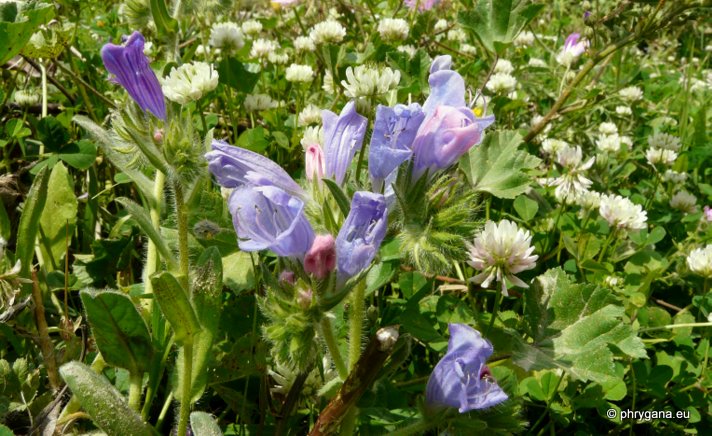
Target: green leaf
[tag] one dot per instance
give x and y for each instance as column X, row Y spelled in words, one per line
column 80, row 155
column 175, row 305
column 238, row 273
column 52, row 133
column 15, row 34
column 576, row 327
column 144, row 222
column 30, row 223
column 120, row 333
column 103, row 402
column 203, row 424
column 341, row 199
column 121, row 161
column 59, row 216
column 497, row 22
column 498, row 167
column 253, row 139
column 165, row 24
column 526, row 207
column 5, row 224
column 233, row 73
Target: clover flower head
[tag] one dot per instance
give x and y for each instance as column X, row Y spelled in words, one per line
column 700, row 261
column 684, row 201
column 259, row 102
column 500, row 251
column 501, row 83
column 525, row 38
column 461, row 378
column 261, row 48
column 311, row 114
column 631, row 94
column 299, row 73
column 664, row 141
column 609, row 143
column 366, row 81
column 304, row 44
column 226, row 36
column 622, row 213
column 251, row 27
column 393, row 29
column 660, row 156
column 327, row 32
column 503, row 66
column 190, row 82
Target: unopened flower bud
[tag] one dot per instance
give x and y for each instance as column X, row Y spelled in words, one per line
column 158, row 136
column 320, row 260
column 287, row 277
column 304, row 298
column 314, row 162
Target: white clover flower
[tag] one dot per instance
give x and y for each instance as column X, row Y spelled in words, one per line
column 299, row 73
column 261, row 48
column 501, row 83
column 328, row 84
column 627, row 141
column 309, row 115
column 700, row 261
column 622, row 213
column 660, row 156
column 251, row 27
column 500, row 251
column 365, row 81
column 609, row 143
column 684, row 201
column 312, row 135
column 393, row 29
column 674, row 177
column 407, row 49
column 623, row 110
column 27, row 97
column 613, row 281
column 456, row 35
column 551, row 146
column 468, row 49
column 258, row 102
column 189, row 82
column 148, row 48
column 330, row 31
column 440, row 25
column 667, row 121
column 503, row 66
column 205, row 50
column 589, row 200
column 572, row 182
column 304, row 44
column 277, row 58
column 631, row 94
column 664, row 140
column 608, row 128
column 537, row 63
column 524, row 39
column 226, row 36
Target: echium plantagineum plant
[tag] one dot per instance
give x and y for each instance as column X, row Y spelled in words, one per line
column 412, row 268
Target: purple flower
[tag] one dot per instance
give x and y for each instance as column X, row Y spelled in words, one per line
column 444, row 136
column 422, row 5
column 343, row 137
column 393, row 135
column 447, row 87
column 133, row 72
column 235, row 167
column 572, row 49
column 462, row 379
column 707, row 213
column 361, row 235
column 267, row 217
column 320, row 260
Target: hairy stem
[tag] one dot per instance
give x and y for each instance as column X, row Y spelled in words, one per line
column 46, row 346
column 327, row 333
column 152, row 256
column 182, row 220
column 187, row 385
column 135, row 382
column 356, row 323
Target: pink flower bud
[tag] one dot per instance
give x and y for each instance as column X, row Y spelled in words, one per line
column 287, row 277
column 320, row 260
column 314, row 162
column 158, row 136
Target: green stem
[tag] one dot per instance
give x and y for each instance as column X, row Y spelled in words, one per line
column 43, row 70
column 135, row 387
column 497, row 303
column 164, row 410
column 182, row 220
column 152, row 256
column 327, row 333
column 356, row 323
column 677, row 326
column 348, row 424
column 606, row 244
column 187, row 385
